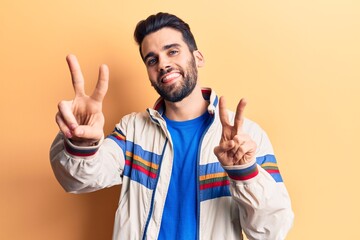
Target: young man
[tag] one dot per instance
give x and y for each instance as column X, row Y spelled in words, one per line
column 188, row 168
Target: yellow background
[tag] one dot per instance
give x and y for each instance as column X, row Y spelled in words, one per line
column 297, row 63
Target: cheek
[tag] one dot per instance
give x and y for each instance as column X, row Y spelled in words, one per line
column 152, row 76
column 151, row 73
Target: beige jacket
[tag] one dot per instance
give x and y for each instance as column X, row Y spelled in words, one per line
column 138, row 156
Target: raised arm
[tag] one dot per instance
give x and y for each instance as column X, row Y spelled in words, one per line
column 81, row 119
column 81, row 161
column 264, row 204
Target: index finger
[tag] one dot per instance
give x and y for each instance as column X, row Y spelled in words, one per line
column 76, row 75
column 239, row 115
column 224, row 117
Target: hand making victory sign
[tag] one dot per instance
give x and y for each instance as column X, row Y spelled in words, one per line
column 81, row 119
column 235, row 147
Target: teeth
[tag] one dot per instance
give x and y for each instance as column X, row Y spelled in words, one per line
column 173, row 75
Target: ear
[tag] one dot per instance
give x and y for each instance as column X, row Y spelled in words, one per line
column 199, row 58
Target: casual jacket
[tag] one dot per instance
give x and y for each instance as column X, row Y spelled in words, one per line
column 138, row 156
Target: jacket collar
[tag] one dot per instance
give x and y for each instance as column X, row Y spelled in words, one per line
column 208, row 94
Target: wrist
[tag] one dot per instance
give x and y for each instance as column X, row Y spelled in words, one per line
column 84, row 143
column 242, row 172
column 84, row 149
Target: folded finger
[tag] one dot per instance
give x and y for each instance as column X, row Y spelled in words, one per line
column 246, row 149
column 224, row 147
column 67, row 114
column 62, row 126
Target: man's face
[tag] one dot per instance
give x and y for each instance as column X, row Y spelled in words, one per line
column 171, row 67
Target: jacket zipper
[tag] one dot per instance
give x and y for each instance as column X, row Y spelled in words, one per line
column 198, row 181
column 153, row 195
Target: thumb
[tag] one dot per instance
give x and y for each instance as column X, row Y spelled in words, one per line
column 86, row 132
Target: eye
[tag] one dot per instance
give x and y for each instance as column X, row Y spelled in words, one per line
column 173, row 52
column 151, row 62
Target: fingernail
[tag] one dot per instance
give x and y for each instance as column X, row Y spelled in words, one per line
column 68, row 134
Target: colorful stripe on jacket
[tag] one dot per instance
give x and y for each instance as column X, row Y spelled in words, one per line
column 140, row 165
column 268, row 162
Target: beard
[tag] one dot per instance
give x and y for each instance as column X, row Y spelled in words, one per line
column 178, row 91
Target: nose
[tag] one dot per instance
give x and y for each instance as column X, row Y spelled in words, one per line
column 164, row 64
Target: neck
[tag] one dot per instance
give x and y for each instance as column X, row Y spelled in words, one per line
column 189, row 108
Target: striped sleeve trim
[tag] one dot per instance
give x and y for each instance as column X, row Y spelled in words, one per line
column 79, row 151
column 242, row 173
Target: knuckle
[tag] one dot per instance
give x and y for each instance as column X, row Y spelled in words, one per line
column 237, row 138
column 61, row 104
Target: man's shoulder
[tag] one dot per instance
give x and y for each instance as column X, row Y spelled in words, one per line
column 135, row 117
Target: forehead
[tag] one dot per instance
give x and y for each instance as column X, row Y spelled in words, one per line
column 154, row 42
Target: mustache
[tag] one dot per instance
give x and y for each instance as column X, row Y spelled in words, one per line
column 165, row 71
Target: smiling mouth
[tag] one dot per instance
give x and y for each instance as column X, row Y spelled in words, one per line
column 168, row 78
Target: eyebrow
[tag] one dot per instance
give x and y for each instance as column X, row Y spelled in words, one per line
column 151, row 54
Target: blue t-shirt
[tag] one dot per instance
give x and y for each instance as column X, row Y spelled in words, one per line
column 179, row 219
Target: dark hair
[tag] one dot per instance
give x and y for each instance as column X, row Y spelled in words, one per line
column 160, row 20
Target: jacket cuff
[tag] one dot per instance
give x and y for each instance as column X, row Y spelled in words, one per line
column 242, row 172
column 81, row 151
